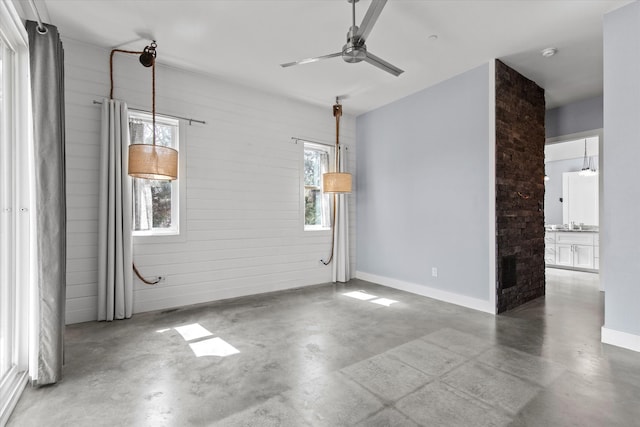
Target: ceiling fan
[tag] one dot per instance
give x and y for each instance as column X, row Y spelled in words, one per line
column 356, row 50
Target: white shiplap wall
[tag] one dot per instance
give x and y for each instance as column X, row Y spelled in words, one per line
column 244, row 228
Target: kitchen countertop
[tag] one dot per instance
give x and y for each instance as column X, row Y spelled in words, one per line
column 585, row 230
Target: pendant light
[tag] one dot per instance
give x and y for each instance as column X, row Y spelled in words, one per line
column 151, row 161
column 588, row 165
column 337, row 182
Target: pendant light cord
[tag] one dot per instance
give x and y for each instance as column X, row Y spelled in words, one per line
column 113, row 51
column 153, row 98
column 142, row 279
column 337, row 113
column 333, row 231
column 153, row 115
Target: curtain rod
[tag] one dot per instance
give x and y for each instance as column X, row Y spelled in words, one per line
column 296, row 139
column 41, row 28
column 167, row 115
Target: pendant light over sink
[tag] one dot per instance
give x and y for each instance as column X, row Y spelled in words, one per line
column 588, row 164
column 337, row 182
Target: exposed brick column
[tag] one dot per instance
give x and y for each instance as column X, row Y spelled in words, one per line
column 520, row 139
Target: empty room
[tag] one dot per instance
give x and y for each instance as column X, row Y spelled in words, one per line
column 319, row 213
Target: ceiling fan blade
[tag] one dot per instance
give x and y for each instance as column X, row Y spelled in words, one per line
column 309, row 60
column 382, row 64
column 370, row 18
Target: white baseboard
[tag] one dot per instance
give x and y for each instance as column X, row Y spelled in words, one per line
column 142, row 306
column 80, row 316
column 620, row 339
column 426, row 291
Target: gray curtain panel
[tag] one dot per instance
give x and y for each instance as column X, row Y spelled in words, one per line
column 115, row 243
column 340, row 270
column 47, row 93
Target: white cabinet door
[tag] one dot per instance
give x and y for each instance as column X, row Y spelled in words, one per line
column 550, row 247
column 564, row 255
column 582, row 256
column 550, row 255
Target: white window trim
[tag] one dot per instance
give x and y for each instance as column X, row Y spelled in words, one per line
column 330, row 149
column 179, row 235
column 21, row 205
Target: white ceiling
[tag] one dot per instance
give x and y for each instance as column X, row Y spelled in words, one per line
column 245, row 41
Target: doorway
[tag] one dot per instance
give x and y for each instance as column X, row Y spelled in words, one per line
column 573, row 194
column 15, row 192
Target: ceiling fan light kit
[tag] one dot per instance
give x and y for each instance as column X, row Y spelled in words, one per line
column 355, row 50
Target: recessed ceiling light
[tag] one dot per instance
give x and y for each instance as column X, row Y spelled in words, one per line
column 433, row 37
column 549, row 52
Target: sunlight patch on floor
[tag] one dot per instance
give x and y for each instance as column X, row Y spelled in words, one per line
column 363, row 296
column 203, row 347
column 384, row 301
column 193, row 331
column 213, row 347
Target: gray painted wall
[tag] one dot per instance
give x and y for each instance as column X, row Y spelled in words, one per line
column 423, row 187
column 620, row 233
column 553, row 187
column 573, row 118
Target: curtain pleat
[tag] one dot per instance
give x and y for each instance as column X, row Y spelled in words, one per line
column 115, row 244
column 46, row 61
column 341, row 271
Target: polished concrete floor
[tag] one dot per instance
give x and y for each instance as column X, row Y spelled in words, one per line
column 317, row 357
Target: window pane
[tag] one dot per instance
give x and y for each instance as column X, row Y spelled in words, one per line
column 154, row 202
column 141, row 132
column 151, row 204
column 7, row 301
column 316, row 203
column 316, row 163
column 161, row 199
column 312, row 207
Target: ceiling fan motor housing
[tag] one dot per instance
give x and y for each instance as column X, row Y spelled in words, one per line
column 355, row 50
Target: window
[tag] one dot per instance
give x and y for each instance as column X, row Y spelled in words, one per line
column 316, row 203
column 156, row 204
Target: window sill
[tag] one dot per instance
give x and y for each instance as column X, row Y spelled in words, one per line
column 159, row 238
column 316, row 228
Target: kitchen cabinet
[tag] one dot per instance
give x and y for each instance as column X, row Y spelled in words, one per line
column 564, row 255
column 550, row 247
column 582, row 256
column 572, row 249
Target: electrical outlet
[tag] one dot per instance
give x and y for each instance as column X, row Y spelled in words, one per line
column 434, row 271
